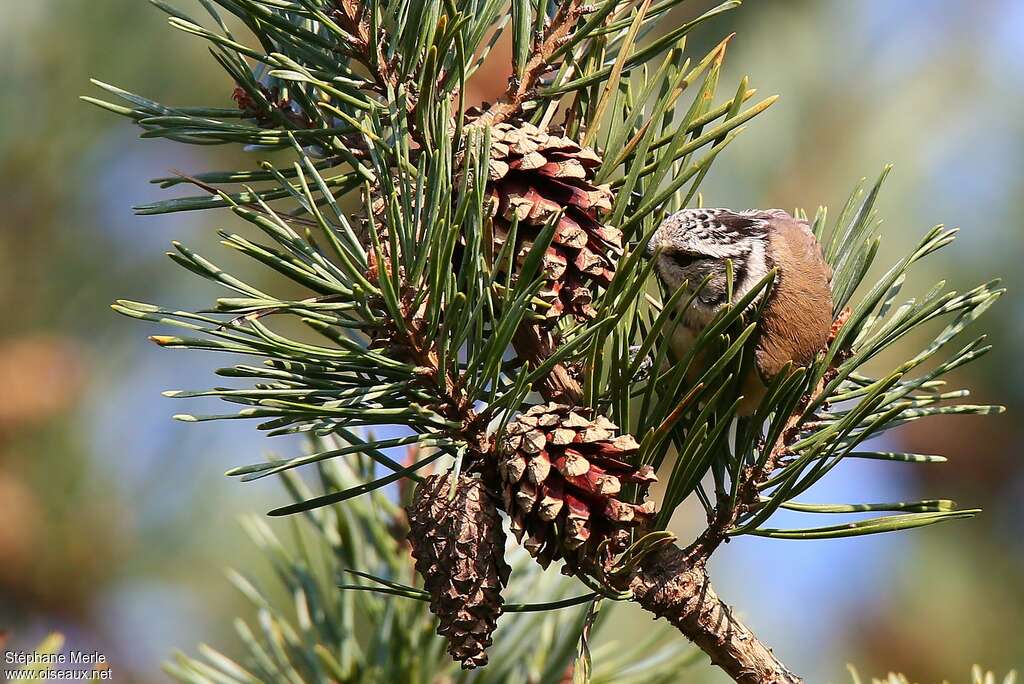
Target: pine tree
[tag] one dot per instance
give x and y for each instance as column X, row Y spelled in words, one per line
column 476, row 291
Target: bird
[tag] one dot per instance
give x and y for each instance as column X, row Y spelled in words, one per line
column 692, row 245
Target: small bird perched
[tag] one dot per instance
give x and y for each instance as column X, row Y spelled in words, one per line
column 693, row 244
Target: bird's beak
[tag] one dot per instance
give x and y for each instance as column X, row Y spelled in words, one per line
column 649, row 249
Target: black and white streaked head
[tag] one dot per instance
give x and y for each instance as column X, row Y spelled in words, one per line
column 694, row 244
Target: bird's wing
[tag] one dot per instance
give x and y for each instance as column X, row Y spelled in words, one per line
column 797, row 321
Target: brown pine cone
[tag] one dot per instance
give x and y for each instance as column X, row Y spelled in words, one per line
column 459, row 547
column 562, row 474
column 534, row 175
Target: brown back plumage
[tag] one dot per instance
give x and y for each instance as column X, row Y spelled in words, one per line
column 796, row 324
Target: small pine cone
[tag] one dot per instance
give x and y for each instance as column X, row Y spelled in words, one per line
column 561, row 475
column 459, row 547
column 534, row 175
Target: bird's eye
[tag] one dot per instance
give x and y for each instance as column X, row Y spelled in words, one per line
column 684, row 259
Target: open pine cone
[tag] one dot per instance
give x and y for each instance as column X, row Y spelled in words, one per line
column 459, row 547
column 562, row 475
column 534, row 175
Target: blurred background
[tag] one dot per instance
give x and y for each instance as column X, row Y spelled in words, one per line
column 116, row 522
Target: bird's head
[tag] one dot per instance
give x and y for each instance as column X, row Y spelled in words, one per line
column 695, row 244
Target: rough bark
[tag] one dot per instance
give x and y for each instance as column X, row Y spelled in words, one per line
column 672, row 585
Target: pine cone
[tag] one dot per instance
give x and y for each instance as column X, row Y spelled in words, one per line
column 534, row 175
column 561, row 475
column 459, row 547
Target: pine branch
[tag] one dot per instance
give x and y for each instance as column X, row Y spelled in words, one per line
column 521, row 88
column 674, row 585
column 353, row 18
column 480, row 234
